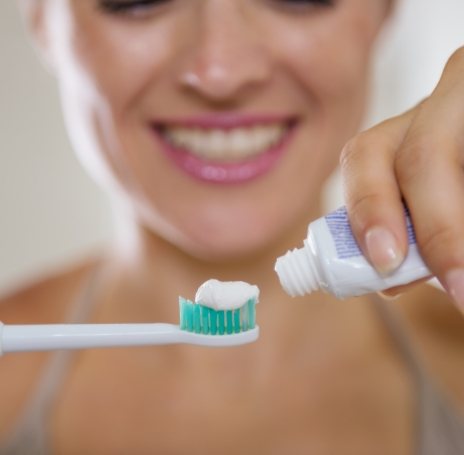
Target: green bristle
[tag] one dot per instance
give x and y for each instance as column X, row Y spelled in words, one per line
column 244, row 318
column 189, row 318
column 244, row 321
column 221, row 317
column 237, row 320
column 251, row 313
column 229, row 322
column 186, row 314
column 213, row 322
column 182, row 314
column 204, row 320
column 196, row 319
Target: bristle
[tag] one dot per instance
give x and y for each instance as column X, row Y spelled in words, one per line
column 213, row 322
column 201, row 319
column 205, row 318
column 237, row 326
column 222, row 318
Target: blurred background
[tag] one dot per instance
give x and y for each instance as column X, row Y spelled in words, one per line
column 51, row 212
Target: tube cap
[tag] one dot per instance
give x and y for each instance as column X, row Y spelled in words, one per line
column 296, row 272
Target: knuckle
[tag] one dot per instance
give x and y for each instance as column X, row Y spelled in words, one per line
column 350, row 152
column 456, row 58
column 363, row 209
column 356, row 148
column 377, row 139
column 413, row 158
column 439, row 241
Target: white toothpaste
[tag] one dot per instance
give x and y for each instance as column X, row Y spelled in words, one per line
column 331, row 261
column 226, row 295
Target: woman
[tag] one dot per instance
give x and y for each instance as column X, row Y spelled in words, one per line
column 214, row 125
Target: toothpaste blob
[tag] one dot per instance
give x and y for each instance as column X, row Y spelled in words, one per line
column 226, row 295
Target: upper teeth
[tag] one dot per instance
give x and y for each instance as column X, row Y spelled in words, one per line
column 219, row 144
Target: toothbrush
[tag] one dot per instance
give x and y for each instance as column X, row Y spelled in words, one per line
column 199, row 326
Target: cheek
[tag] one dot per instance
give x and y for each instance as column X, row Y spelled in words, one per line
column 330, row 65
column 120, row 64
column 333, row 73
column 330, row 61
column 103, row 71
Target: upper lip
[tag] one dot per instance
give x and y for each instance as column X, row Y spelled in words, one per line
column 224, row 121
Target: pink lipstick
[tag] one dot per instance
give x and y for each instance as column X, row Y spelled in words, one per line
column 226, row 148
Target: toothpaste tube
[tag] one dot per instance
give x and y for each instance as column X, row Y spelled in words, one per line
column 331, row 260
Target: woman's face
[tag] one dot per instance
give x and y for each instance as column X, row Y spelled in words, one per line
column 219, row 119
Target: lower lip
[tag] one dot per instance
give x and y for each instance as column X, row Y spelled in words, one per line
column 226, row 173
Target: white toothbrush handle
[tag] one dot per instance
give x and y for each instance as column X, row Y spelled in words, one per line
column 21, row 338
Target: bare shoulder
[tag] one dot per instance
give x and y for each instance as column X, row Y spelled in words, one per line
column 437, row 328
column 44, row 300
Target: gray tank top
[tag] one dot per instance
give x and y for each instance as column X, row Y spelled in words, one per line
column 439, row 427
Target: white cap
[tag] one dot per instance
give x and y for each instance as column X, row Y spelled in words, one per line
column 296, row 271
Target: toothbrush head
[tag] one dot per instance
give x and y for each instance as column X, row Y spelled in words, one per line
column 200, row 319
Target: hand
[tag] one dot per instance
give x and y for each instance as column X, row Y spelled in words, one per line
column 417, row 157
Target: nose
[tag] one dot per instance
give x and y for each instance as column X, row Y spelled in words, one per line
column 225, row 57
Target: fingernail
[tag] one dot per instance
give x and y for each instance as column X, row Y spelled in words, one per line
column 454, row 283
column 383, row 250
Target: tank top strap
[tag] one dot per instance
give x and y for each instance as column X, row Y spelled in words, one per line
column 31, row 432
column 439, row 425
column 400, row 337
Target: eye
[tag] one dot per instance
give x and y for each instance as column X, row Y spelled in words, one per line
column 136, row 8
column 304, row 4
column 322, row 2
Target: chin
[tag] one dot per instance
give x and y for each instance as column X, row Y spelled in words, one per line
column 224, row 229
column 218, row 244
column 231, row 245
column 225, row 252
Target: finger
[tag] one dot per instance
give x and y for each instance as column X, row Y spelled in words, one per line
column 434, row 192
column 399, row 290
column 372, row 196
column 430, row 175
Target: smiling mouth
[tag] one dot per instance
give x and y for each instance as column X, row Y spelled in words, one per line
column 225, row 149
column 226, row 146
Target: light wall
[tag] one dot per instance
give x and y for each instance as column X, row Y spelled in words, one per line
column 51, row 212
